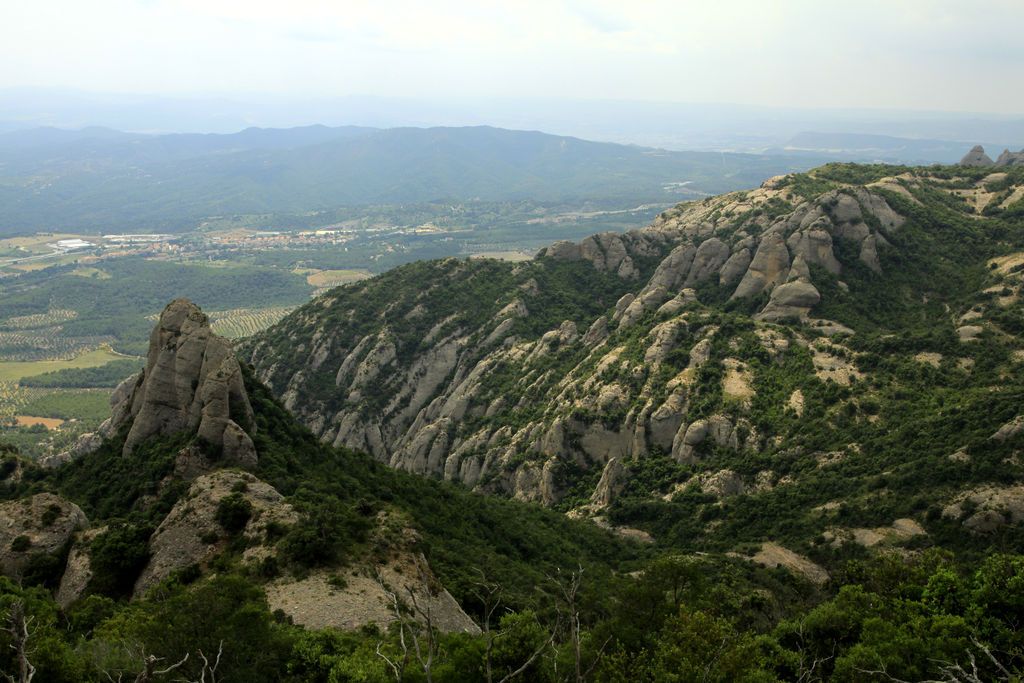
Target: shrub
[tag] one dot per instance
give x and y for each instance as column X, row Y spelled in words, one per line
column 233, row 512
column 51, row 514
column 117, row 557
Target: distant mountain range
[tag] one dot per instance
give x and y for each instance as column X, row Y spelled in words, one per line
column 668, row 125
column 881, row 147
column 100, row 179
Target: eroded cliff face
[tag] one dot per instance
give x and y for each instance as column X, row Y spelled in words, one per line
column 192, row 383
column 504, row 394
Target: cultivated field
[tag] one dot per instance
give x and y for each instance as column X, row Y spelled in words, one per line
column 242, row 322
column 52, row 317
column 12, row 371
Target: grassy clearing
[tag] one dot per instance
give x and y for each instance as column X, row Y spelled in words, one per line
column 86, row 405
column 12, row 371
column 334, row 278
column 89, row 271
column 504, row 255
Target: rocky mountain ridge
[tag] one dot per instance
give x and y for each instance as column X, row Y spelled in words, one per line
column 709, row 344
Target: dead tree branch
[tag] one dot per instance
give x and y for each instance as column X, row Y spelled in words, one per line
column 18, row 629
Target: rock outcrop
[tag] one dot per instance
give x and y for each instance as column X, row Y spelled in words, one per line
column 1008, row 158
column 191, row 384
column 506, row 395
column 191, row 533
column 44, row 523
column 977, row 157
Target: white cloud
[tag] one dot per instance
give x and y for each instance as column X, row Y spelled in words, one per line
column 915, row 53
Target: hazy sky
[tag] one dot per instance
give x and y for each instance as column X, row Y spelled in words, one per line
column 920, row 54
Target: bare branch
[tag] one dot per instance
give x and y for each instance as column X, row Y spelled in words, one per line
column 988, row 653
column 536, row 653
column 431, row 637
column 397, row 669
column 17, row 628
column 489, row 594
column 212, row 670
column 393, row 665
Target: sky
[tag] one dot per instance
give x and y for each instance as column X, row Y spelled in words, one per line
column 908, row 54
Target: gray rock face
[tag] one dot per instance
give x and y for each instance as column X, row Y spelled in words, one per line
column 666, row 420
column 673, row 269
column 769, row 267
column 565, row 250
column 608, row 253
column 191, row 382
column 880, row 209
column 613, row 481
column 186, row 536
column 650, row 297
column 78, row 571
column 795, row 298
column 665, row 337
column 717, row 428
column 42, row 523
column 869, row 253
column 1010, row 429
column 1008, row 158
column 597, row 333
column 847, row 209
column 816, row 247
column 708, row 261
column 735, row 266
column 976, row 157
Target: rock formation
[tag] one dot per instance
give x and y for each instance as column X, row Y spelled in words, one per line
column 508, row 396
column 192, row 383
column 191, row 534
column 1008, row 158
column 976, row 157
column 44, row 523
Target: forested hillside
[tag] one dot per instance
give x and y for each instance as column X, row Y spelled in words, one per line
column 97, row 180
column 829, row 362
column 775, row 436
